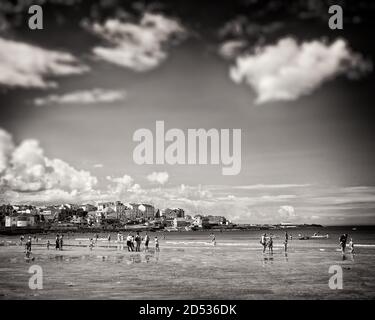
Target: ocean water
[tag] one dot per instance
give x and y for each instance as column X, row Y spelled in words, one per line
column 189, row 267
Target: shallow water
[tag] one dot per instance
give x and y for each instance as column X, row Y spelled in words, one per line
column 188, row 268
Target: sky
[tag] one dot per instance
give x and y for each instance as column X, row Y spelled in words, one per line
column 73, row 94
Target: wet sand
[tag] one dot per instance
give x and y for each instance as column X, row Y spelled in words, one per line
column 187, row 270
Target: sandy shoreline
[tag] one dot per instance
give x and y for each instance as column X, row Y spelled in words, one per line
column 185, row 271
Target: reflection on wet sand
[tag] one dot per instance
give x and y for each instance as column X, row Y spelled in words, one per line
column 187, row 272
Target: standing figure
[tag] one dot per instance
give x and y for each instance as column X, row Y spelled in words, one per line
column 213, row 239
column 147, row 239
column 157, row 244
column 91, row 243
column 28, row 248
column 270, row 245
column 61, row 241
column 263, row 242
column 343, row 239
column 48, row 244
column 351, row 245
column 57, row 241
column 286, row 241
column 129, row 242
column 138, row 241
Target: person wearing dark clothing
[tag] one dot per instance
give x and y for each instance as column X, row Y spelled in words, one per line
column 343, row 239
column 138, row 241
column 147, row 240
column 28, row 247
column 57, row 242
column 61, row 242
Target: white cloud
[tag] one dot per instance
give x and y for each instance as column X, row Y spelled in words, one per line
column 6, row 147
column 27, row 169
column 158, row 177
column 288, row 70
column 287, row 212
column 271, row 186
column 98, row 165
column 83, row 97
column 121, row 184
column 25, row 65
column 140, row 47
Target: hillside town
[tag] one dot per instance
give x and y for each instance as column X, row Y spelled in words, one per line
column 106, row 215
column 115, row 216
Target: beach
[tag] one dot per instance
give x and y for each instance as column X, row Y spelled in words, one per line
column 188, row 266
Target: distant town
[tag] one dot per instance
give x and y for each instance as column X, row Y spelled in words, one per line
column 115, row 216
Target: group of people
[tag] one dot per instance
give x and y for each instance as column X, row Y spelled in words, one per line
column 343, row 241
column 133, row 242
column 267, row 242
column 59, row 241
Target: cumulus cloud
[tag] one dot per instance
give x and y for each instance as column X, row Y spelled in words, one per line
column 137, row 46
column 83, row 97
column 288, row 70
column 124, row 186
column 25, row 65
column 6, row 146
column 26, row 169
column 287, row 212
column 158, row 177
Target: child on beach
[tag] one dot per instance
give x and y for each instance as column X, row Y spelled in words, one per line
column 270, row 245
column 351, row 245
column 91, row 243
column 213, row 239
column 157, row 244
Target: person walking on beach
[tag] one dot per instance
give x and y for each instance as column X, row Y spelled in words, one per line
column 129, row 242
column 138, row 241
column 96, row 238
column 263, row 242
column 343, row 239
column 28, row 247
column 48, row 244
column 286, row 241
column 213, row 239
column 91, row 243
column 61, row 241
column 157, row 244
column 270, row 245
column 147, row 239
column 351, row 245
column 57, row 241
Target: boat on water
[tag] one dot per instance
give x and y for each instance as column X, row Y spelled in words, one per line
column 317, row 235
